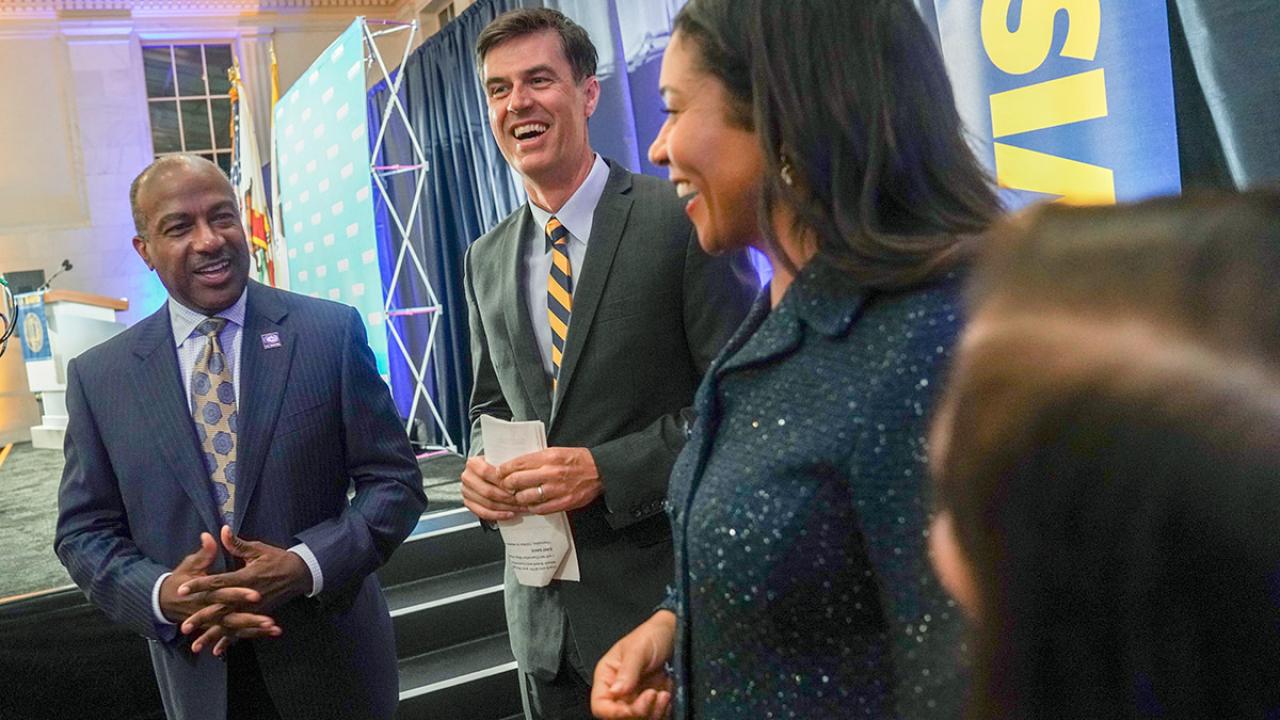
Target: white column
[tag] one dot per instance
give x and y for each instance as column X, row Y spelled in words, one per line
column 110, row 121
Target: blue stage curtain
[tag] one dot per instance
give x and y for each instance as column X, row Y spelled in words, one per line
column 469, row 187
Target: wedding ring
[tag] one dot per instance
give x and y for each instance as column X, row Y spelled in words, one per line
column 541, row 495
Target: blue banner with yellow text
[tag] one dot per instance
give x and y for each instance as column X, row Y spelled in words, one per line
column 1066, row 99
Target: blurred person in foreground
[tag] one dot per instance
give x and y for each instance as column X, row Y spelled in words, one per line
column 824, row 134
column 1107, row 463
column 209, row 454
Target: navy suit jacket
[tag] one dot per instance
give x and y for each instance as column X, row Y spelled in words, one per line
column 314, row 420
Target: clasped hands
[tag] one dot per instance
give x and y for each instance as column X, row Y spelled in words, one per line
column 543, row 482
column 234, row 605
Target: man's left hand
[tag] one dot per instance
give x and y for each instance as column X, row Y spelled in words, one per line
column 553, row 480
column 275, row 573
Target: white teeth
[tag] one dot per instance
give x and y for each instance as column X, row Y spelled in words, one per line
column 523, row 132
column 684, row 189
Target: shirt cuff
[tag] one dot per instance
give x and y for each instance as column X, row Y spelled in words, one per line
column 155, row 601
column 308, row 557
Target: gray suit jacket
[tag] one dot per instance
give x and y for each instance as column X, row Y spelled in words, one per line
column 314, row 418
column 649, row 315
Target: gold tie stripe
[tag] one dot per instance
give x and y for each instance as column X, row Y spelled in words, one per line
column 213, row 407
column 559, row 293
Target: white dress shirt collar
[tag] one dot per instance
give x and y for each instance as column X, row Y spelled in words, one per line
column 184, row 320
column 579, row 210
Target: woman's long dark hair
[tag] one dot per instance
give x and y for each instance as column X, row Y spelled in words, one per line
column 1112, row 462
column 853, row 98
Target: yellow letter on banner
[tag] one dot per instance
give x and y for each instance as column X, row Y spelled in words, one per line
column 1025, row 49
column 1061, row 101
column 1078, row 183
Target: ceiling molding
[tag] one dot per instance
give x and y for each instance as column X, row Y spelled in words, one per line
column 56, row 8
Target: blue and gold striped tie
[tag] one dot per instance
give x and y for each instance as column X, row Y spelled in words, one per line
column 559, row 293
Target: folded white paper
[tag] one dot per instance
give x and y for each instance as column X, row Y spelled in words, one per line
column 539, row 547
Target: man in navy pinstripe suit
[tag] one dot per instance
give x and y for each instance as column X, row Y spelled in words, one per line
column 238, row 556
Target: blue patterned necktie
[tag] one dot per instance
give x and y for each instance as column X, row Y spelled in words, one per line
column 213, row 407
column 559, row 293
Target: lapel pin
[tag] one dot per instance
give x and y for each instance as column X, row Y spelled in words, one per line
column 270, row 340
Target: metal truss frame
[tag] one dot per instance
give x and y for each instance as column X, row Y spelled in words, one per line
column 407, row 259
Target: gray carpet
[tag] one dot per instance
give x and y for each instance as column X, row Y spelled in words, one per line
column 29, row 507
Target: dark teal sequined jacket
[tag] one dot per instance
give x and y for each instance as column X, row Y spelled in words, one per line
column 799, row 508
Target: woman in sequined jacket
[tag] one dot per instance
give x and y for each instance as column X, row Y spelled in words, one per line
column 1106, row 463
column 824, row 134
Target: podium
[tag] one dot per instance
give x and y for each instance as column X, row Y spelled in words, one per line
column 56, row 326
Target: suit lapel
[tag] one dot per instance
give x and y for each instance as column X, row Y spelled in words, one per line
column 524, row 346
column 609, row 221
column 264, row 374
column 158, row 387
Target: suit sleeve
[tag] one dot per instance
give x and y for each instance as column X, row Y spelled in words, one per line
column 717, row 292
column 92, row 537
column 388, row 484
column 486, row 393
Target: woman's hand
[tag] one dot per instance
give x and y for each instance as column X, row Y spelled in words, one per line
column 630, row 680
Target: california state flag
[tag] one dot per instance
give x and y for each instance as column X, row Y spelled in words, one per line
column 246, row 175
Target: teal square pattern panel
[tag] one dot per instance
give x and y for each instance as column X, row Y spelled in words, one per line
column 326, row 192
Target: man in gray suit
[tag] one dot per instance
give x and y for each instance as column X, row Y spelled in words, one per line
column 594, row 310
column 245, row 413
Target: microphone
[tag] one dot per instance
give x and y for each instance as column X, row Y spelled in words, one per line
column 66, row 265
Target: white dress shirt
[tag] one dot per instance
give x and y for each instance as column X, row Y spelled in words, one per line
column 576, row 216
column 190, row 345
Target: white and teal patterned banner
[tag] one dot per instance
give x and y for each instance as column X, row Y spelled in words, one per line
column 326, row 192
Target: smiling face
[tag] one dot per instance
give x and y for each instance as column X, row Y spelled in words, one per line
column 537, row 111
column 194, row 239
column 715, row 164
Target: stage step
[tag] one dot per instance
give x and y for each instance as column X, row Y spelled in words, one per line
column 436, row 612
column 442, row 543
column 444, row 590
column 472, row 681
